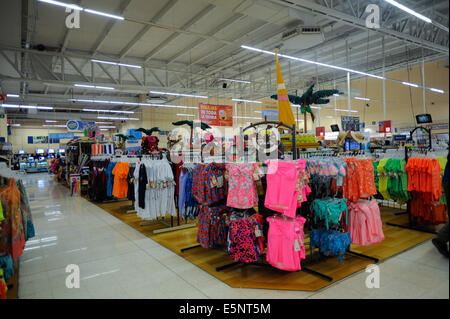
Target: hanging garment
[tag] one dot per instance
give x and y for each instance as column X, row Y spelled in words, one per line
column 12, row 234
column 130, row 181
column 120, row 187
column 285, row 242
column 142, row 186
column 330, row 210
column 365, row 224
column 25, row 209
column 281, row 195
column 110, row 178
column 209, row 220
column 245, row 237
column 241, row 185
column 330, row 242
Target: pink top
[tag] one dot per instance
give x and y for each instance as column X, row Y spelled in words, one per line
column 241, row 186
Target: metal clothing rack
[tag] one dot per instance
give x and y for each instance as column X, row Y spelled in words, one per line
column 410, row 225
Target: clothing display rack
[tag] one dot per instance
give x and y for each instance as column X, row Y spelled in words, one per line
column 295, row 155
column 410, row 225
column 130, row 208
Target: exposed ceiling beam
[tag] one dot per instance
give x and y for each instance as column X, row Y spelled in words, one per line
column 172, row 37
column 107, row 30
column 169, row 5
column 336, row 15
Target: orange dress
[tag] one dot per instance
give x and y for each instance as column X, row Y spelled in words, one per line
column 120, row 172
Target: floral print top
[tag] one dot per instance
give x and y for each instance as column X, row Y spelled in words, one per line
column 241, row 185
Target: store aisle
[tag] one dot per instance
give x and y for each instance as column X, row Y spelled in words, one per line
column 116, row 261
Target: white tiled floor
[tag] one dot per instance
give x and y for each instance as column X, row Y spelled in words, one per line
column 117, row 261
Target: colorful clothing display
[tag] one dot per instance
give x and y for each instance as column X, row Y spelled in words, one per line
column 120, row 187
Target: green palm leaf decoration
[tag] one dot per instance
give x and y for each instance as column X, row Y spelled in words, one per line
column 148, row 132
column 203, row 126
column 124, row 137
column 309, row 98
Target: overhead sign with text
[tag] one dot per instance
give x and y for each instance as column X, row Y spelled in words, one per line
column 216, row 115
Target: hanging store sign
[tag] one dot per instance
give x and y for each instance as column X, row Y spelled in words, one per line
column 270, row 112
column 216, row 115
column 37, row 139
column 350, row 123
column 75, row 125
column 385, row 127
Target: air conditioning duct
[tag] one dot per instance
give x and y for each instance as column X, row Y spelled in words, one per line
column 302, row 37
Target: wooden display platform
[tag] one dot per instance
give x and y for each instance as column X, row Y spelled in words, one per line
column 397, row 240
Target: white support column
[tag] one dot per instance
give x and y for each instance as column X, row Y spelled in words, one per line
column 423, row 85
column 384, row 79
column 349, row 93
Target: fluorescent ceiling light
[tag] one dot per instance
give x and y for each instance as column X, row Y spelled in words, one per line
column 437, row 90
column 104, row 14
column 313, row 62
column 362, row 98
column 51, row 121
column 103, row 123
column 12, row 95
column 117, row 118
column 335, row 94
column 313, row 107
column 16, row 125
column 94, row 87
column 106, row 127
column 247, row 101
column 410, row 84
column 117, row 63
column 108, row 111
column 60, row 125
column 406, row 9
column 181, row 114
column 344, row 110
column 247, row 117
column 232, row 80
column 16, row 106
column 62, row 4
column 258, row 112
column 180, row 94
column 134, row 103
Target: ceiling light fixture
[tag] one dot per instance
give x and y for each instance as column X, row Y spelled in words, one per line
column 14, row 125
column 362, row 98
column 62, row 4
column 335, row 94
column 410, row 84
column 410, row 11
column 344, row 110
column 108, row 111
column 247, row 101
column 106, row 127
column 104, row 14
column 117, row 63
column 51, row 121
column 232, row 80
column 103, row 123
column 94, row 87
column 181, row 114
column 437, row 90
column 12, row 95
column 179, row 94
column 58, row 125
column 117, row 118
column 313, row 62
column 247, row 117
column 18, row 106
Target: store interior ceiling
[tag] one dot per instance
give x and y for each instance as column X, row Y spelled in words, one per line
column 194, row 47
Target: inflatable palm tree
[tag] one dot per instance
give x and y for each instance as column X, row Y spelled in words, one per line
column 203, row 126
column 308, row 98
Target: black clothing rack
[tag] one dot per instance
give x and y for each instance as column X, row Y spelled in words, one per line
column 411, row 225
